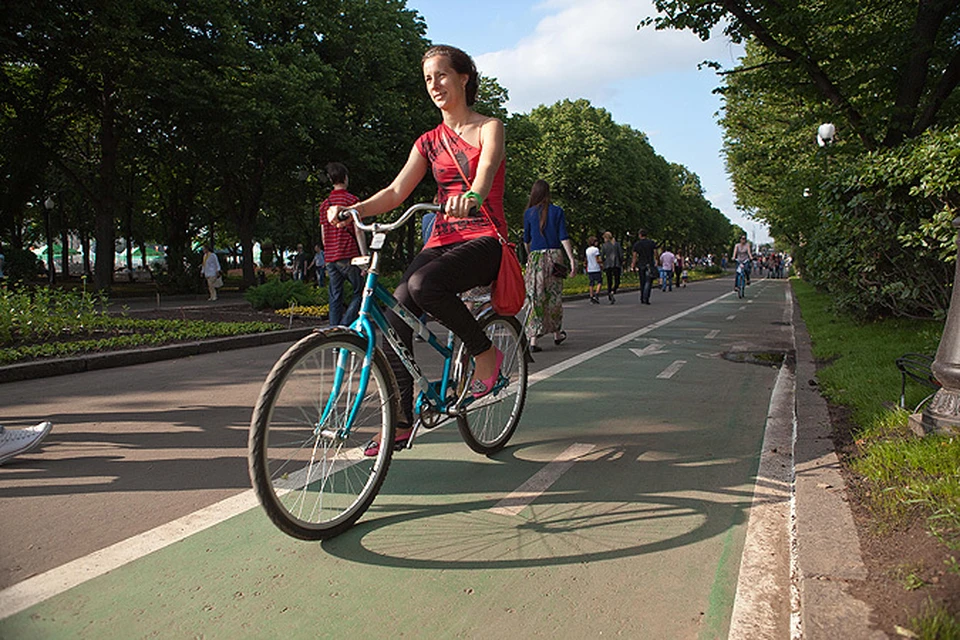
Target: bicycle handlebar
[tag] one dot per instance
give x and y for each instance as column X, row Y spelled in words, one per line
column 378, row 227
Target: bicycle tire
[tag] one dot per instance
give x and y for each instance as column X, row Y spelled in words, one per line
column 490, row 422
column 312, row 483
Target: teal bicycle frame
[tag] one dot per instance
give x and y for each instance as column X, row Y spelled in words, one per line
column 372, row 317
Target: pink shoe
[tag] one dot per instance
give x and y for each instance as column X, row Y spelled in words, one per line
column 480, row 388
column 372, row 448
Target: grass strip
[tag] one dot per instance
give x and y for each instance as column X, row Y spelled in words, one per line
column 904, row 475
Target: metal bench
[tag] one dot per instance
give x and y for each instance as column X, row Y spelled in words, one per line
column 916, row 367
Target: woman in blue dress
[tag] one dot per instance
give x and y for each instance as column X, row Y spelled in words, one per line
column 546, row 239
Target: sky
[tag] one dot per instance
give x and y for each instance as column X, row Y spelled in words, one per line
column 543, row 51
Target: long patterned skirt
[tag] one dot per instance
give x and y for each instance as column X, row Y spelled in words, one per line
column 545, row 292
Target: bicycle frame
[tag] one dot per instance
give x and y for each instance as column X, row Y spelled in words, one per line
column 375, row 299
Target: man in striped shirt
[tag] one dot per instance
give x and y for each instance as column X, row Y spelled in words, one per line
column 340, row 246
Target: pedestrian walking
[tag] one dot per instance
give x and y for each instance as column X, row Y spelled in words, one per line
column 319, row 265
column 549, row 258
column 644, row 261
column 612, row 254
column 678, row 270
column 667, row 263
column 300, row 264
column 341, row 244
column 594, row 269
column 210, row 268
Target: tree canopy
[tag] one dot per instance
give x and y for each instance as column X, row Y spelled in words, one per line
column 212, row 121
column 874, row 204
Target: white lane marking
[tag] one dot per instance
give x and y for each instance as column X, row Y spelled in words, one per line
column 670, row 371
column 31, row 591
column 35, row 590
column 540, row 481
column 733, row 317
column 713, row 334
column 770, row 528
column 649, row 350
column 549, row 372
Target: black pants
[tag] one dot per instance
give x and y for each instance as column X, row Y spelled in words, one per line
column 646, row 282
column 432, row 284
column 613, row 279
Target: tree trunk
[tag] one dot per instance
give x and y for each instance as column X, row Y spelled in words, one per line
column 64, row 241
column 106, row 204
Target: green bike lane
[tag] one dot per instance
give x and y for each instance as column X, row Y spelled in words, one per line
column 619, row 507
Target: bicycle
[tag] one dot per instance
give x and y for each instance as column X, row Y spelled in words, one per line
column 333, row 390
column 740, row 284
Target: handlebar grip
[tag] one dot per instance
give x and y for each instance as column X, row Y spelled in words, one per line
column 344, row 215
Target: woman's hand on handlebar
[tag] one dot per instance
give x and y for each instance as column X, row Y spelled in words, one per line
column 460, row 206
column 333, row 216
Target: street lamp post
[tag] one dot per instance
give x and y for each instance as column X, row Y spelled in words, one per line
column 48, row 206
column 942, row 413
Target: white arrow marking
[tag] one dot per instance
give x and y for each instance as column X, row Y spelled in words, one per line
column 651, row 349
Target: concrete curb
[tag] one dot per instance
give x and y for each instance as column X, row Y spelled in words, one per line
column 92, row 362
column 827, row 545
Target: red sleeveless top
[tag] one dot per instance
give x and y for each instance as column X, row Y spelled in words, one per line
column 450, row 182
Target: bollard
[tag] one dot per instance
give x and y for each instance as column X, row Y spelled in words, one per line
column 942, row 414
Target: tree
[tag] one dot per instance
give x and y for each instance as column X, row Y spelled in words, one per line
column 886, row 74
column 888, row 69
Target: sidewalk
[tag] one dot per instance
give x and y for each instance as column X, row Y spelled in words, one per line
column 827, row 547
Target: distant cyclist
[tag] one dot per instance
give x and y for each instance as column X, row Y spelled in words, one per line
column 742, row 254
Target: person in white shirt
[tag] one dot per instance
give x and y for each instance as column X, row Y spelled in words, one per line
column 667, row 261
column 594, row 269
column 210, row 268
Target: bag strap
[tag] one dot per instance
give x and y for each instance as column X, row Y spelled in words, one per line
column 446, row 145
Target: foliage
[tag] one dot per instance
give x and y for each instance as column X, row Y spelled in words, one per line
column 905, row 474
column 185, row 120
column 867, row 216
column 935, row 623
column 886, row 227
column 863, row 225
column 28, row 315
column 280, row 294
column 20, row 265
column 44, row 322
column 607, row 177
column 884, row 68
column 312, row 311
column 133, row 333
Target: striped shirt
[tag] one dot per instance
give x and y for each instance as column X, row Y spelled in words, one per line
column 338, row 243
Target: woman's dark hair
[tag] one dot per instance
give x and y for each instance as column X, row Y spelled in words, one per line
column 540, row 197
column 461, row 63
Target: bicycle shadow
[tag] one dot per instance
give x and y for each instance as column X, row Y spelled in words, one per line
column 601, row 520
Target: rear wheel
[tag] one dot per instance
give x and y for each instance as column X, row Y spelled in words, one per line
column 313, row 481
column 488, row 423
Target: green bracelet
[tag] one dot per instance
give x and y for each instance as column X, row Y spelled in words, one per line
column 476, row 196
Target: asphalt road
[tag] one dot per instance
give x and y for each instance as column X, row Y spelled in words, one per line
column 649, row 422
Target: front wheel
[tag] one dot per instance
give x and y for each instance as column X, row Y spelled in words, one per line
column 488, row 423
column 310, row 475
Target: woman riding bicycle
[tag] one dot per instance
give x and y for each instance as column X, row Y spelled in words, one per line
column 466, row 155
column 742, row 254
